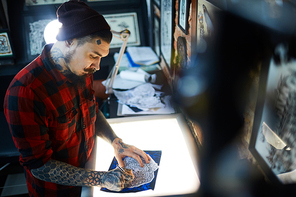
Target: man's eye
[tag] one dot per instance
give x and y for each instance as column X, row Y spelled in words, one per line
column 94, row 57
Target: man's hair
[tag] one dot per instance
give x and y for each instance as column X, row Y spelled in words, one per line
column 105, row 35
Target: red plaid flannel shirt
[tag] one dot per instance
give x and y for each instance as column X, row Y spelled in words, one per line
column 50, row 118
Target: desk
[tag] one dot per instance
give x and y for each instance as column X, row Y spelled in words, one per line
column 178, row 173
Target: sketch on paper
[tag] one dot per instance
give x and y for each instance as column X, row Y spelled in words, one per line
column 145, row 178
column 276, row 139
column 205, row 19
column 36, row 36
column 142, row 175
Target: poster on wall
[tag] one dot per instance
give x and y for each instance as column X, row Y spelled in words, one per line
column 34, row 32
column 166, row 30
column 183, row 13
column 44, row 2
column 274, row 131
column 122, row 21
column 36, row 36
column 205, row 19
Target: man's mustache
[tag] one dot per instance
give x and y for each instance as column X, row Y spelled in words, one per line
column 90, row 70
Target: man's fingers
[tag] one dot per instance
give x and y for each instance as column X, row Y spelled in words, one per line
column 120, row 162
column 142, row 154
column 137, row 157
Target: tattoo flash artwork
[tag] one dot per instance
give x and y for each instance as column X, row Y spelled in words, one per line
column 36, row 36
column 142, row 175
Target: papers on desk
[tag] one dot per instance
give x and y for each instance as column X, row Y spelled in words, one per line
column 137, row 96
column 126, row 79
column 125, row 64
column 125, row 110
column 142, row 55
column 143, row 100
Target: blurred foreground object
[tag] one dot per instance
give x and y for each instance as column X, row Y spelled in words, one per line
column 215, row 88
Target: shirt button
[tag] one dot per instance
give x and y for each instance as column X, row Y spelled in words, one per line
column 83, row 126
column 69, row 120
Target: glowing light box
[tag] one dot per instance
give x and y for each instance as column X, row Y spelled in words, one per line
column 177, row 173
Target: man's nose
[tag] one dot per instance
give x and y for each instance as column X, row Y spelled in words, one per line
column 97, row 63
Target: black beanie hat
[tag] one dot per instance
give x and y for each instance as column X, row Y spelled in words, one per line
column 79, row 20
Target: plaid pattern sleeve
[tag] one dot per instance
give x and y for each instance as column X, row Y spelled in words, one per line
column 50, row 118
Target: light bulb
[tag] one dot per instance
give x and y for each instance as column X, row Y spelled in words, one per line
column 51, row 31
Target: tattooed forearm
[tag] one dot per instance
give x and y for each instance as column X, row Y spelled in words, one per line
column 65, row 174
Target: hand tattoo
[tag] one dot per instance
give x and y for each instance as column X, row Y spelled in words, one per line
column 122, row 144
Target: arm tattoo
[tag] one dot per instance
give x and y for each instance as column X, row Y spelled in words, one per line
column 66, row 174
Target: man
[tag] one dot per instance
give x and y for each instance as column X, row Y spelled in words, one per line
column 52, row 113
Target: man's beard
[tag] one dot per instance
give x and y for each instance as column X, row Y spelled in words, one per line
column 75, row 79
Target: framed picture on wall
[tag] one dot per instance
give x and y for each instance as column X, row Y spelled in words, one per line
column 206, row 20
column 5, row 45
column 34, row 33
column 183, row 13
column 44, row 2
column 166, row 20
column 119, row 22
column 274, row 130
column 156, row 35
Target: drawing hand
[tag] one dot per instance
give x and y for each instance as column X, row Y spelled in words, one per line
column 122, row 150
column 116, row 180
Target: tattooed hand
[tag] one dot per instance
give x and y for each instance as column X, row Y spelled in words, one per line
column 121, row 150
column 115, row 180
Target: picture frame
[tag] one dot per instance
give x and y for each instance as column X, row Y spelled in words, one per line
column 156, row 35
column 43, row 2
column 119, row 22
column 6, row 49
column 205, row 20
column 34, row 26
column 273, row 133
column 183, row 14
column 166, row 31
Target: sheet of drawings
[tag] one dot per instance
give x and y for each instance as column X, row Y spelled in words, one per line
column 36, row 36
column 142, row 175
